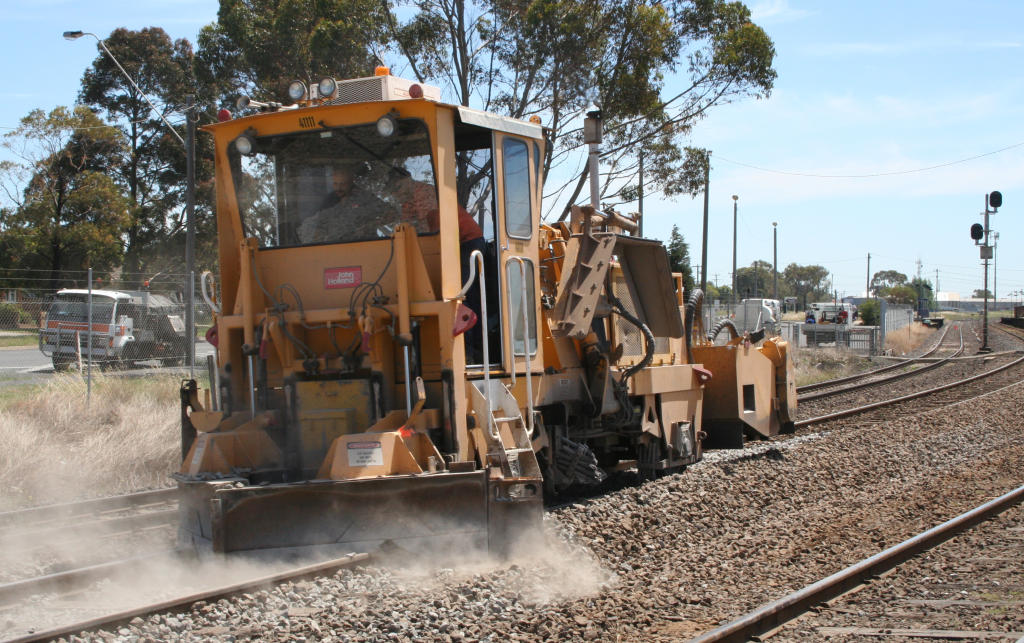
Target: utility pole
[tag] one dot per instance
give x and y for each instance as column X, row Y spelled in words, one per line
column 919, row 288
column 735, row 198
column 640, row 224
column 867, row 282
column 704, row 244
column 190, row 233
column 775, row 260
column 937, row 289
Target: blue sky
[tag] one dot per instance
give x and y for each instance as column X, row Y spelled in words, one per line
column 864, row 88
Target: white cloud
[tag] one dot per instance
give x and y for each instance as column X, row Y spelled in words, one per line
column 776, row 11
column 922, row 45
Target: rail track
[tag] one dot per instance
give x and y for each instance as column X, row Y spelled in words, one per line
column 817, row 386
column 913, row 396
column 772, row 615
column 184, row 601
column 27, row 531
column 46, row 518
column 864, row 380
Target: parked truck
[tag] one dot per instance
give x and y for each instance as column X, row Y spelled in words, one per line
column 127, row 327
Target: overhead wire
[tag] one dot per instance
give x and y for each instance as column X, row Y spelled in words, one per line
column 869, row 174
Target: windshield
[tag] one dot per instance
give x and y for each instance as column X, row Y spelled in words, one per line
column 336, row 185
column 75, row 308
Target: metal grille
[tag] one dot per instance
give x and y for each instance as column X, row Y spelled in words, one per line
column 628, row 335
column 359, row 91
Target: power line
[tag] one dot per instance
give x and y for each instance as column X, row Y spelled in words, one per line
column 871, row 174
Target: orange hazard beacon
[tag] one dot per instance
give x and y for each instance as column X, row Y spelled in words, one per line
column 404, row 352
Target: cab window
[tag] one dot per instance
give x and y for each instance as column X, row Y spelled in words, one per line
column 516, row 175
column 335, row 185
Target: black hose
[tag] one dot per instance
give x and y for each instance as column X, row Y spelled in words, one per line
column 724, row 323
column 648, row 338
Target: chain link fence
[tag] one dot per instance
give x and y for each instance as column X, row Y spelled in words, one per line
column 105, row 327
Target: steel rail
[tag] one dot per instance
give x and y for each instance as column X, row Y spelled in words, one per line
column 778, row 612
column 182, row 602
column 70, row 580
column 97, row 505
column 110, row 527
column 850, row 378
column 904, row 398
column 890, row 378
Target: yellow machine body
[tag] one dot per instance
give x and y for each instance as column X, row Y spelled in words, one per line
column 753, row 392
column 357, row 402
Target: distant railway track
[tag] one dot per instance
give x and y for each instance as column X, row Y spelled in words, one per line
column 807, row 388
column 864, row 380
column 940, row 395
column 965, row 393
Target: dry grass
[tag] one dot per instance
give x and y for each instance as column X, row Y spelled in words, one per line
column 54, row 449
column 819, row 364
column 905, row 340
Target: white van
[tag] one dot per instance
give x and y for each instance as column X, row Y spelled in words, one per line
column 828, row 312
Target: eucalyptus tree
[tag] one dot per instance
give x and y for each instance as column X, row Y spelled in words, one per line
column 64, row 212
column 153, row 171
column 654, row 69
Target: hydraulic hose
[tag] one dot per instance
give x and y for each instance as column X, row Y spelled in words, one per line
column 724, row 323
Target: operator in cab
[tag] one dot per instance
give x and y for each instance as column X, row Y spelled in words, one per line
column 349, row 212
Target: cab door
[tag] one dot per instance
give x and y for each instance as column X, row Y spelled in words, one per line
column 518, row 218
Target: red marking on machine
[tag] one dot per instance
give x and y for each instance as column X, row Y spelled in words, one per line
column 348, row 277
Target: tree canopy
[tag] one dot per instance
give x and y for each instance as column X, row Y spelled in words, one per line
column 259, row 46
column 679, row 257
column 805, row 280
column 654, row 68
column 553, row 58
column 67, row 214
column 152, row 172
column 883, row 280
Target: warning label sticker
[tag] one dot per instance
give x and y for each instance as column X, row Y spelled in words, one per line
column 365, row 454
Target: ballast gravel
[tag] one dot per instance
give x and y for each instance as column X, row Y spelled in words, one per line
column 664, row 560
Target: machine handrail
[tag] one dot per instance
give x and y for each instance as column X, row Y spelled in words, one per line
column 526, row 338
column 477, row 258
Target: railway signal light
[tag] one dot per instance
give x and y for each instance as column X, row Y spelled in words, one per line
column 993, row 200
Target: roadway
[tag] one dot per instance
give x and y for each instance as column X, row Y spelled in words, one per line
column 21, row 363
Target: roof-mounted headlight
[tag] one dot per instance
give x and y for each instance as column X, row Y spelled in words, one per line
column 244, row 144
column 387, row 125
column 296, row 90
column 327, row 87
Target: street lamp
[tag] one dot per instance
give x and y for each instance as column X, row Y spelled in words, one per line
column 75, row 35
column 190, row 193
column 775, row 260
column 735, row 198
